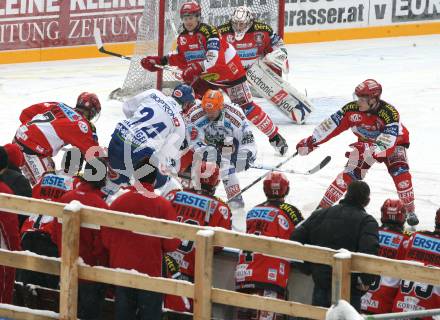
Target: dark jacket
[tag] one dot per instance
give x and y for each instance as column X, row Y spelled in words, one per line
column 342, row 226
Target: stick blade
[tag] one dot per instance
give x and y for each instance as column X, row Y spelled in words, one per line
column 97, row 36
column 323, row 163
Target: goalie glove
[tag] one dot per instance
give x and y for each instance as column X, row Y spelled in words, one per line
column 278, row 59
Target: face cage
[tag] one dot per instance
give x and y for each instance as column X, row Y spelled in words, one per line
column 240, row 32
column 92, row 117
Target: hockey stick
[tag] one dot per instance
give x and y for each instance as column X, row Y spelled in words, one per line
column 250, row 185
column 100, row 46
column 315, row 169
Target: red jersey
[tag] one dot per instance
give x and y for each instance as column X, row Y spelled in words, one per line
column 380, row 296
column 255, row 270
column 129, row 250
column 381, row 126
column 201, row 210
column 91, row 249
column 47, row 127
column 51, row 187
column 424, row 247
column 9, row 240
column 258, row 41
column 206, row 46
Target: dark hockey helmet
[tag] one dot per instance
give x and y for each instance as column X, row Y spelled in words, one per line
column 437, row 219
column 393, row 211
column 276, row 185
column 88, row 105
column 184, row 95
column 190, row 8
column 369, row 88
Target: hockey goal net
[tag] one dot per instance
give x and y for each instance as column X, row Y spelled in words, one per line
column 160, row 25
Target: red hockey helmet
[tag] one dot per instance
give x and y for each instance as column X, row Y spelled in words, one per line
column 393, row 211
column 437, row 219
column 368, row 88
column 88, row 105
column 190, row 8
column 276, row 185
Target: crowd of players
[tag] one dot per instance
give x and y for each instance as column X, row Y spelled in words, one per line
column 177, row 140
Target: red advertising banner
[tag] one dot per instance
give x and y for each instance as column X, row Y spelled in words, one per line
column 32, row 24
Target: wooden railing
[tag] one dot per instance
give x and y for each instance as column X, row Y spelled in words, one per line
column 205, row 239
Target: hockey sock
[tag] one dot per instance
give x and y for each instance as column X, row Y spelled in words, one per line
column 336, row 190
column 261, row 120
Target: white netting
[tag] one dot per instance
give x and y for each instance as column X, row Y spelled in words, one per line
column 214, row 12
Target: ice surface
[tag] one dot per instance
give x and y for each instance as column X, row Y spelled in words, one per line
column 407, row 67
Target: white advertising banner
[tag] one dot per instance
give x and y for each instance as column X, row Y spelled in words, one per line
column 314, row 15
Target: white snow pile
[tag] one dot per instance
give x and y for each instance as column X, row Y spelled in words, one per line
column 342, row 311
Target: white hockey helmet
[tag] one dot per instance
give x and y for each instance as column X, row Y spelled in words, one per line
column 241, row 21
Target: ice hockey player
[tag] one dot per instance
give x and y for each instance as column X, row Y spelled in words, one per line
column 423, row 246
column 381, row 138
column 198, row 206
column 154, row 129
column 37, row 230
column 91, row 295
column 380, row 296
column 259, row 274
column 48, row 126
column 143, row 253
column 252, row 39
column 219, row 132
column 10, row 239
column 203, row 52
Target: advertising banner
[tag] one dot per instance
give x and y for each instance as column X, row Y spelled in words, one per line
column 30, row 24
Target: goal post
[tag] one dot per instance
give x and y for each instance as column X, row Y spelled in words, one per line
column 160, row 24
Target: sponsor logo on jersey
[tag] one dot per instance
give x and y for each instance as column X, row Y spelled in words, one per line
column 241, row 272
column 182, row 41
column 193, row 46
column 233, row 67
column 282, row 221
column 54, row 181
column 403, row 184
column 213, row 44
column 392, row 130
column 409, row 304
column 426, row 243
column 194, row 55
column 272, row 274
column 83, row 127
column 249, row 53
column 224, row 211
column 230, row 38
column 192, row 200
column 69, row 112
column 243, row 45
column 355, row 117
column 389, row 239
column 194, row 133
column 258, row 36
column 259, row 213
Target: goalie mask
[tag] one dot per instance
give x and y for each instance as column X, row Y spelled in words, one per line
column 241, row 21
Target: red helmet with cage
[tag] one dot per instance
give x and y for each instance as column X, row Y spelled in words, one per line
column 276, row 185
column 88, row 105
column 393, row 211
column 368, row 88
column 437, row 219
column 190, row 8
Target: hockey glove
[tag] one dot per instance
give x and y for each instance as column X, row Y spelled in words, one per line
column 364, row 151
column 149, row 63
column 306, row 145
column 191, row 73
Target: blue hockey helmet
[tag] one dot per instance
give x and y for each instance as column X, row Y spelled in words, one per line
column 184, row 95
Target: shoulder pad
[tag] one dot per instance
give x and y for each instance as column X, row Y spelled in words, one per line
column 351, row 106
column 225, row 28
column 387, row 113
column 208, row 31
column 292, row 212
column 261, row 26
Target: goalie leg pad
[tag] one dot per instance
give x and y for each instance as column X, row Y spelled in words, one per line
column 260, row 119
column 240, row 94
